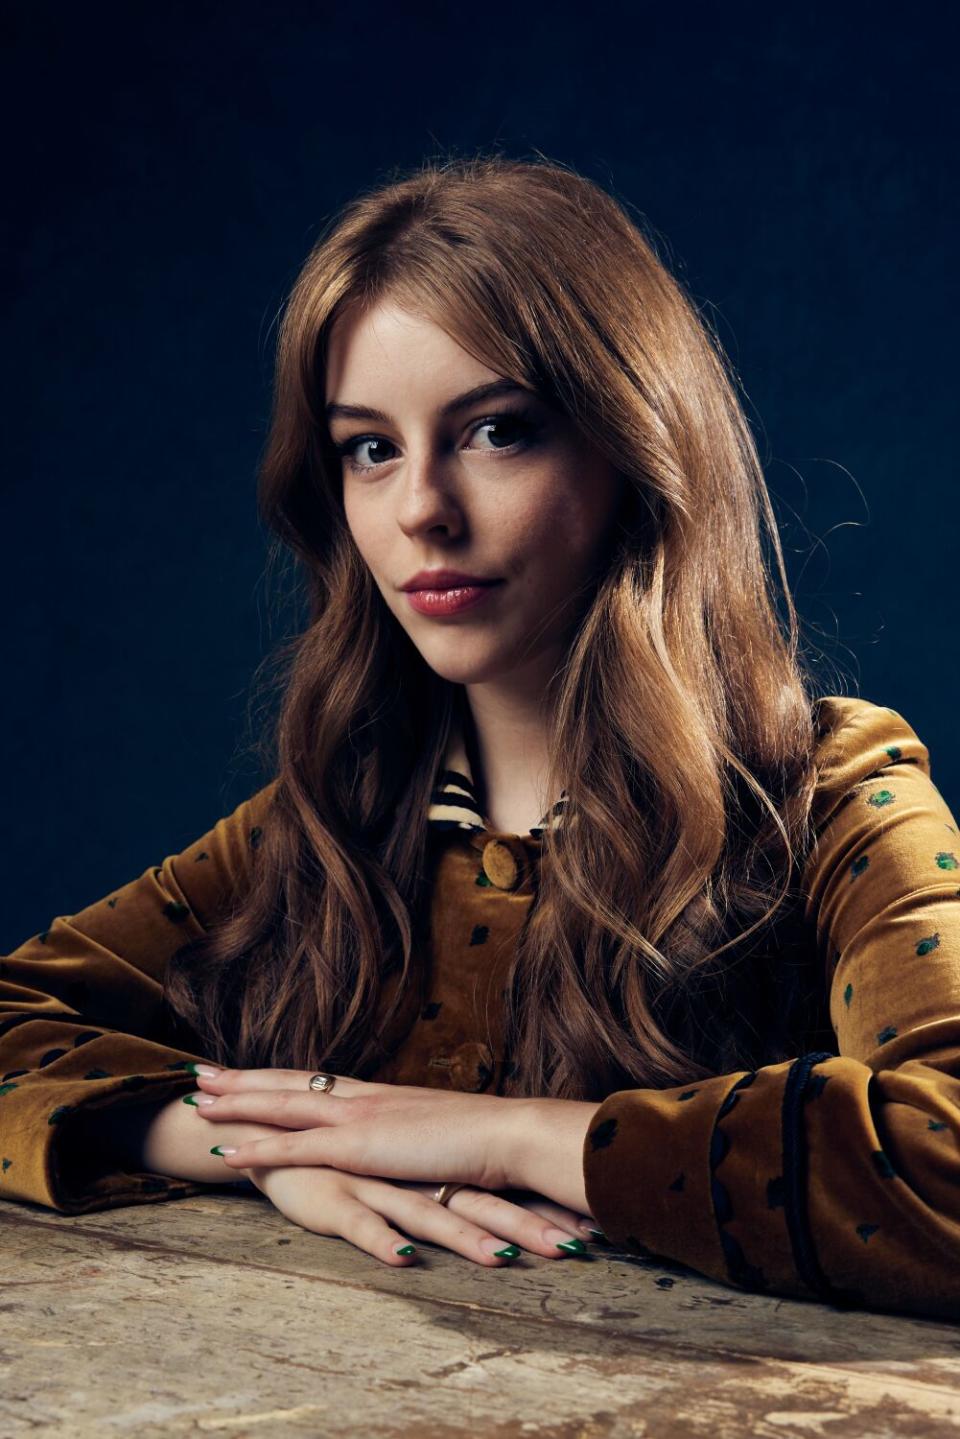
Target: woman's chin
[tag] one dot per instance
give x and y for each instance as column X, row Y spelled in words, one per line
column 464, row 659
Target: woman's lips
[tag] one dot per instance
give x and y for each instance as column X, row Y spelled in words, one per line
column 450, row 601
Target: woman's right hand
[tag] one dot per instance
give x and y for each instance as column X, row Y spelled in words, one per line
column 381, row 1216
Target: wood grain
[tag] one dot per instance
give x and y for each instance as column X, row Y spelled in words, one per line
column 215, row 1315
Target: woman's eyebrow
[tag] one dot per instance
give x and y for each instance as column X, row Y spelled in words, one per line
column 488, row 391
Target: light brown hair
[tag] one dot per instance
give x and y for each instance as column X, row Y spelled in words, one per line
column 683, row 719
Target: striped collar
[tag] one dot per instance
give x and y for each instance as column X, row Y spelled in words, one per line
column 453, row 801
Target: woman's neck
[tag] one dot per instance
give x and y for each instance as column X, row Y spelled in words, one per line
column 508, row 750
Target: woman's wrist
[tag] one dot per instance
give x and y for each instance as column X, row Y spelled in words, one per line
column 173, row 1139
column 545, row 1149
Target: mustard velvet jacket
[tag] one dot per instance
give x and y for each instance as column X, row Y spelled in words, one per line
column 834, row 1175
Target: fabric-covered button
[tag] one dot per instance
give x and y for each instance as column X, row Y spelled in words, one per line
column 500, row 864
column 471, row 1067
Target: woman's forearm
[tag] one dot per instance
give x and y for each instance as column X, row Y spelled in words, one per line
column 544, row 1149
column 170, row 1138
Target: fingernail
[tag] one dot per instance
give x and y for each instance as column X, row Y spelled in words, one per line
column 573, row 1246
column 189, row 1099
column 221, row 1150
column 207, row 1070
column 407, row 1249
column 557, row 1236
column 496, row 1246
column 589, row 1229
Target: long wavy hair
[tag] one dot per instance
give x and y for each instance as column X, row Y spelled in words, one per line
column 683, row 721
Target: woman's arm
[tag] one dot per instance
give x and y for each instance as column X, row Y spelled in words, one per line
column 84, row 1029
column 545, row 1149
column 829, row 1176
column 166, row 1137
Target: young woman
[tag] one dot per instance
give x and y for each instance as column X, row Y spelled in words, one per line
column 572, row 908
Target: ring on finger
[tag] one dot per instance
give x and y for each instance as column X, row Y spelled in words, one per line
column 422, row 1223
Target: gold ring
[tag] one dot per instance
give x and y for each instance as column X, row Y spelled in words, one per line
column 446, row 1191
column 323, row 1081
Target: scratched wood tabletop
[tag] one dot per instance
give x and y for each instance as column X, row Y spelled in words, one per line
column 216, row 1315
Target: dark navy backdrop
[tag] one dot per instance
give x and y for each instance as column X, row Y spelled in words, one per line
column 170, row 167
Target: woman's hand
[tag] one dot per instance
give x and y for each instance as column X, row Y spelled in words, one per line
column 378, row 1215
column 395, row 1131
column 391, row 1131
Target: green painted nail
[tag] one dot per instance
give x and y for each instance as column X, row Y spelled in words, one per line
column 189, row 1099
column 407, row 1249
column 216, row 1150
column 598, row 1232
column 573, row 1246
column 510, row 1252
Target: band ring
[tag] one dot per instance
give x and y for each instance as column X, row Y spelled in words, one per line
column 323, row 1081
column 446, row 1191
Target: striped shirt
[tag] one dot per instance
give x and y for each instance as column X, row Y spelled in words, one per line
column 454, row 803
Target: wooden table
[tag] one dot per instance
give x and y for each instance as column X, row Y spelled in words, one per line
column 214, row 1315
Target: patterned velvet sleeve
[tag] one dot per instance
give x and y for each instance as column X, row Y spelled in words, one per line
column 83, row 1027
column 833, row 1176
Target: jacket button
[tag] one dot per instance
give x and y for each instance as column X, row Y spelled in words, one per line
column 471, row 1067
column 500, row 865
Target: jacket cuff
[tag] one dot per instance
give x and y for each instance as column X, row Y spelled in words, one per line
column 694, row 1173
column 46, row 1162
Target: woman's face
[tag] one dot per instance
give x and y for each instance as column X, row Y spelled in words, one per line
column 502, row 487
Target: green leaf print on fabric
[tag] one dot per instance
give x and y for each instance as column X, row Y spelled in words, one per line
column 176, row 911
column 256, row 834
column 6, row 1164
column 603, row 1134
column 112, row 903
column 484, row 879
column 865, row 1230
column 932, row 941
column 946, row 860
column 885, row 1034
column 859, row 865
column 848, row 995
column 893, row 750
column 6, row 1088
column 86, row 1037
column 687, row 1094
column 881, row 798
column 479, row 935
column 59, row 1113
column 936, row 1124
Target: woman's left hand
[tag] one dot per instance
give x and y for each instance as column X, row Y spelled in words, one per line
column 400, row 1131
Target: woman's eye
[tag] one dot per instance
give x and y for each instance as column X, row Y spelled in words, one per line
column 514, row 431
column 349, row 448
column 515, row 427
